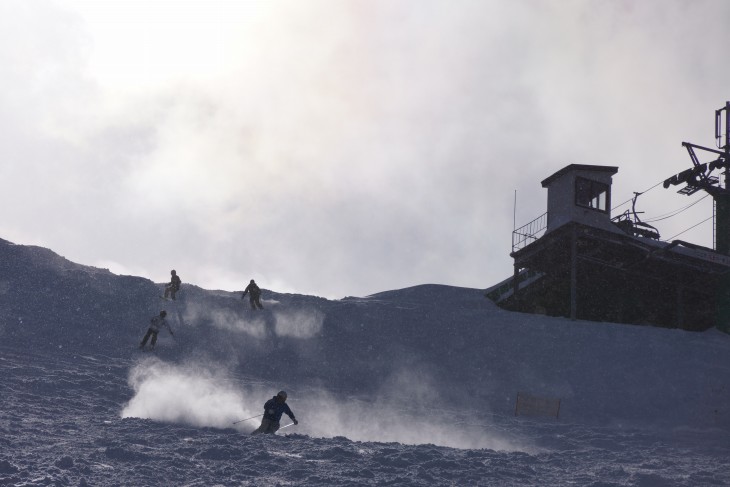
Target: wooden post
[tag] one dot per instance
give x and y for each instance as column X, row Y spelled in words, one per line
column 679, row 307
column 573, row 273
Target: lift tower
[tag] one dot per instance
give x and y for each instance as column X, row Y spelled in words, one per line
column 700, row 178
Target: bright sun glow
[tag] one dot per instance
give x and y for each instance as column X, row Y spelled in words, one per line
column 136, row 44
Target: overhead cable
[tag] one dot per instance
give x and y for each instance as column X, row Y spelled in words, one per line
column 690, row 228
column 675, row 212
column 632, row 198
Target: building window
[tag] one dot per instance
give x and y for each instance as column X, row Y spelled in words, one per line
column 592, row 194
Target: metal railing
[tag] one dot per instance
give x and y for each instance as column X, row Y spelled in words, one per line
column 526, row 234
column 505, row 289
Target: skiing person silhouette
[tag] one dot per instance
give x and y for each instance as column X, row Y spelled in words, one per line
column 255, row 292
column 155, row 323
column 173, row 286
column 273, row 409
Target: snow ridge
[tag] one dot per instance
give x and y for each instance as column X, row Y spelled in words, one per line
column 414, row 386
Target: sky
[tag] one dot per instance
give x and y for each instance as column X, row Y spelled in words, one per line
column 341, row 148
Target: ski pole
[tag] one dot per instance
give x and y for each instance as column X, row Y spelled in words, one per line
column 252, row 417
column 290, row 424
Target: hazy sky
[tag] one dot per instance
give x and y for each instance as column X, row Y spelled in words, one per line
column 340, row 147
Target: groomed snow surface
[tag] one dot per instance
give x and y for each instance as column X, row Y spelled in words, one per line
column 410, row 387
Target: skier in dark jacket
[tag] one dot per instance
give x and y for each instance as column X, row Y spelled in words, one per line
column 273, row 409
column 255, row 292
column 155, row 324
column 174, row 285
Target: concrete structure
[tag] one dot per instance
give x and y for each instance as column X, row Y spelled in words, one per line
column 576, row 261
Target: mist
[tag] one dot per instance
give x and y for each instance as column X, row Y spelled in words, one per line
column 194, row 394
column 209, row 395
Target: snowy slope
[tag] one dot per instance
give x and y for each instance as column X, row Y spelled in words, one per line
column 408, row 387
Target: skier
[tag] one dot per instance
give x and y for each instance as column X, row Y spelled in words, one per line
column 174, row 285
column 273, row 409
column 255, row 295
column 155, row 323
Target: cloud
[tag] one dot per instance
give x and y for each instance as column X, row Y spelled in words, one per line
column 337, row 148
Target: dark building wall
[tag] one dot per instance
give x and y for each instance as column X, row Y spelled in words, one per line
column 619, row 280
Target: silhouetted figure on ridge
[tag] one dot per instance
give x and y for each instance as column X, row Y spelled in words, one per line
column 255, row 293
column 173, row 286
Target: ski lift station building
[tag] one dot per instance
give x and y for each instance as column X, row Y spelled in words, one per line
column 576, row 261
